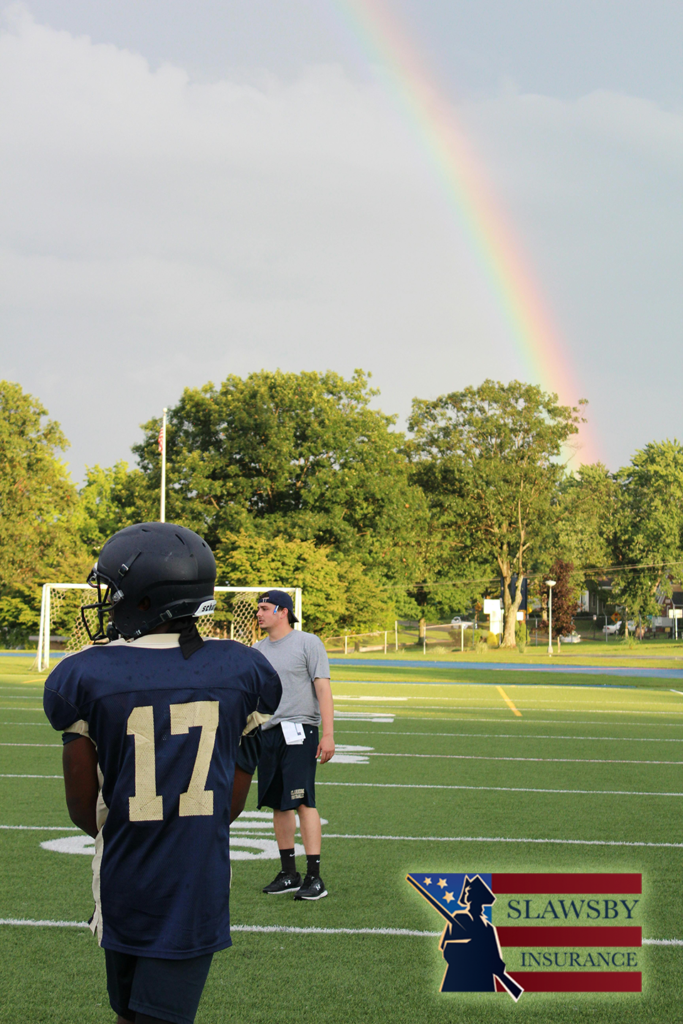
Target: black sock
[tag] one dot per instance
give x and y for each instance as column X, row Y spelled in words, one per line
column 313, row 864
column 288, row 862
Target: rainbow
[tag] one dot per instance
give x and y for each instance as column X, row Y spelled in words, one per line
column 539, row 348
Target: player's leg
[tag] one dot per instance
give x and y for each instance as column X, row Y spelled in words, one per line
column 313, row 887
column 284, row 823
column 298, row 762
column 272, row 794
column 311, row 832
column 168, row 990
column 120, row 974
column 240, row 791
column 288, row 878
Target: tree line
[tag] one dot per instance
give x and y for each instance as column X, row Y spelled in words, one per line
column 294, row 479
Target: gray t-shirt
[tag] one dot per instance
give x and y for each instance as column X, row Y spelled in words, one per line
column 298, row 659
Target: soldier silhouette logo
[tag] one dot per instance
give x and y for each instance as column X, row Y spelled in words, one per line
column 469, row 943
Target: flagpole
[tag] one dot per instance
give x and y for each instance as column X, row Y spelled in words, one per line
column 162, row 516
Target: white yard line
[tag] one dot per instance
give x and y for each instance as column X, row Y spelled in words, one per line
column 498, row 789
column 544, row 760
column 7, row 775
column 507, row 736
column 41, row 828
column 503, row 839
column 58, row 745
column 379, row 700
column 24, row 922
column 281, row 929
column 503, row 711
column 533, row 722
column 637, row 698
column 447, row 757
column 438, row 757
column 43, row 725
column 293, row 930
column 418, row 839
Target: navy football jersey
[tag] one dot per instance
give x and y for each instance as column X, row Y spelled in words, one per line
column 167, row 732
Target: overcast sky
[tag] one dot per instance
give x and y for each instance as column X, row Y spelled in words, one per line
column 192, row 189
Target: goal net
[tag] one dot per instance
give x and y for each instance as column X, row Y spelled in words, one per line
column 60, row 615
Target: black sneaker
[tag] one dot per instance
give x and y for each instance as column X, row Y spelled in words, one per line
column 312, row 889
column 284, row 881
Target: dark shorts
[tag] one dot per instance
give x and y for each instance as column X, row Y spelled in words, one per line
column 167, row 989
column 286, row 775
column 249, row 752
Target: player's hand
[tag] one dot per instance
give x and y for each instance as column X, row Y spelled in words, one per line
column 325, row 749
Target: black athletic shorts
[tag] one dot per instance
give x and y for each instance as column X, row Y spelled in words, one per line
column 286, row 775
column 166, row 989
column 249, row 751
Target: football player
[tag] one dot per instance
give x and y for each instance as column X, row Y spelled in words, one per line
column 291, row 744
column 151, row 717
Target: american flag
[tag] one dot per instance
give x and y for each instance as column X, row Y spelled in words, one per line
column 160, row 439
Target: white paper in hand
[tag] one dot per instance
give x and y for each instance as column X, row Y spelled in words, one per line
column 293, row 733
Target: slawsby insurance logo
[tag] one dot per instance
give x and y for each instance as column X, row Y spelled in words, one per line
column 520, row 933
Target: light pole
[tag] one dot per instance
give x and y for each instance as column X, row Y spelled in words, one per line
column 550, row 584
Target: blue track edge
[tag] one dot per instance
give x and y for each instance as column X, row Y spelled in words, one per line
column 579, row 670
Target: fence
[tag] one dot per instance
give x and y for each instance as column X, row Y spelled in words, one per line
column 385, row 639
column 405, row 634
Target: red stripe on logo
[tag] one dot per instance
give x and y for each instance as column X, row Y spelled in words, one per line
column 554, row 935
column 577, row 981
column 567, row 883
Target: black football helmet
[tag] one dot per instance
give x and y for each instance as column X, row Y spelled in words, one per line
column 148, row 574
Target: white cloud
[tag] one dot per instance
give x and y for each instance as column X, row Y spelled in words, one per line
column 595, row 185
column 157, row 232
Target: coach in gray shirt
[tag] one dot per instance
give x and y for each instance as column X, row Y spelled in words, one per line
column 291, row 744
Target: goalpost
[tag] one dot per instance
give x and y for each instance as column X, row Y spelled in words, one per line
column 234, row 616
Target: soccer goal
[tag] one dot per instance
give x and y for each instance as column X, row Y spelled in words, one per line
column 234, row 618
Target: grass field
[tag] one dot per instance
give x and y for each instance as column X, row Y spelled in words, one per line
column 490, row 772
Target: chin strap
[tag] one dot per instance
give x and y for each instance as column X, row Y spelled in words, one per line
column 190, row 641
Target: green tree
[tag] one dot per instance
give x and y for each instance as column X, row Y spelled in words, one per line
column 295, row 457
column 110, row 499
column 37, row 503
column 337, row 594
column 649, row 526
column 584, row 534
column 585, row 530
column 301, row 456
column 488, row 459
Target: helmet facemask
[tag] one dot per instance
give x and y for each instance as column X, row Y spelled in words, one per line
column 106, row 630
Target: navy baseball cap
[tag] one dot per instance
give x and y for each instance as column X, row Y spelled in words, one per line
column 279, row 597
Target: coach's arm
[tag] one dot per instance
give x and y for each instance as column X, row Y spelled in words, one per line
column 79, row 763
column 323, row 692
